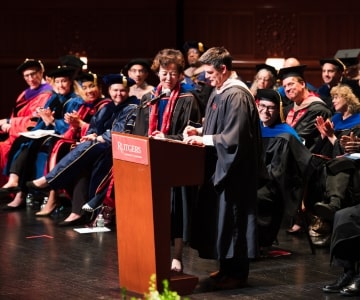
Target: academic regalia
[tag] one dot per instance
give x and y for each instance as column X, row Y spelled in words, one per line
column 96, row 122
column 59, row 104
column 302, row 119
column 20, row 118
column 287, row 161
column 345, row 239
column 324, row 158
column 84, row 155
column 187, row 108
column 228, row 195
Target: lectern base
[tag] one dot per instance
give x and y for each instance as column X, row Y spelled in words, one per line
column 183, row 284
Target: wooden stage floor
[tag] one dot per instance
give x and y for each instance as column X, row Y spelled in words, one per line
column 42, row 261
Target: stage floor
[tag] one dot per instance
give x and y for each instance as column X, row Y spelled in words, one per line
column 42, row 261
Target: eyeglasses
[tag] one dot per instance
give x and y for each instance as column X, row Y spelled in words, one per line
column 32, row 74
column 265, row 107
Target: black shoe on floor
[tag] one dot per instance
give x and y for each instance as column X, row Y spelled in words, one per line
column 353, row 289
column 83, row 220
column 14, row 208
column 335, row 287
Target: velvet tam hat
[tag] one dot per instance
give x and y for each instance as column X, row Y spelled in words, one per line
column 62, row 71
column 334, row 61
column 292, row 71
column 137, row 61
column 118, row 78
column 349, row 57
column 194, row 45
column 353, row 84
column 71, row 61
column 83, row 77
column 30, row 63
column 267, row 67
column 269, row 95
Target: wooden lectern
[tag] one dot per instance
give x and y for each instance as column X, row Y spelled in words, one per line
column 145, row 169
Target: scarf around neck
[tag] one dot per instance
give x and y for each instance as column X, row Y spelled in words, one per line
column 154, row 111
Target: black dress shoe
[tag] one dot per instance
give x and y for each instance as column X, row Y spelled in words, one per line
column 14, row 208
column 84, row 219
column 325, row 211
column 7, row 191
column 353, row 289
column 335, row 287
column 31, row 185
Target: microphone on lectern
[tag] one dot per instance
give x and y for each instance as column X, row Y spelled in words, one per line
column 165, row 92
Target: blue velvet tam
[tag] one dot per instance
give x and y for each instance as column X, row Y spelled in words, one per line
column 269, row 95
column 118, row 78
column 30, row 63
column 71, row 61
column 297, row 71
column 194, row 45
column 62, row 71
column 334, row 61
column 266, row 67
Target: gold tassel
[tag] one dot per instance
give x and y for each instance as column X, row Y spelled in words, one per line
column 201, row 47
column 281, row 108
column 124, row 80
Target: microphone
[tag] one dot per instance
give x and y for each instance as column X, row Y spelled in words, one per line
column 165, row 92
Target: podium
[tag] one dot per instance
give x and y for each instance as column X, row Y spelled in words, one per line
column 144, row 170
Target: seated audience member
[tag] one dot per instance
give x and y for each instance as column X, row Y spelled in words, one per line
column 302, row 112
column 24, row 152
column 305, row 106
column 22, row 117
column 168, row 118
column 138, row 69
column 292, row 62
column 81, row 122
column 287, row 162
column 324, row 186
column 265, row 78
column 192, row 51
column 332, row 70
column 345, row 251
column 96, row 145
column 346, row 120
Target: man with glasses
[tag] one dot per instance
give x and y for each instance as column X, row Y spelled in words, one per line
column 286, row 160
column 21, row 119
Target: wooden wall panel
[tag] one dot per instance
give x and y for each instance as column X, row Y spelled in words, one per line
column 111, row 33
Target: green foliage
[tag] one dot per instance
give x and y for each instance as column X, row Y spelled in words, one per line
column 154, row 294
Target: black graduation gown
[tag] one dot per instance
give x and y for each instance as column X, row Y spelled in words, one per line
column 220, row 214
column 305, row 126
column 288, row 163
column 345, row 239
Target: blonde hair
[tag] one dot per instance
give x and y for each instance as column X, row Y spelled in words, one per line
column 345, row 91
